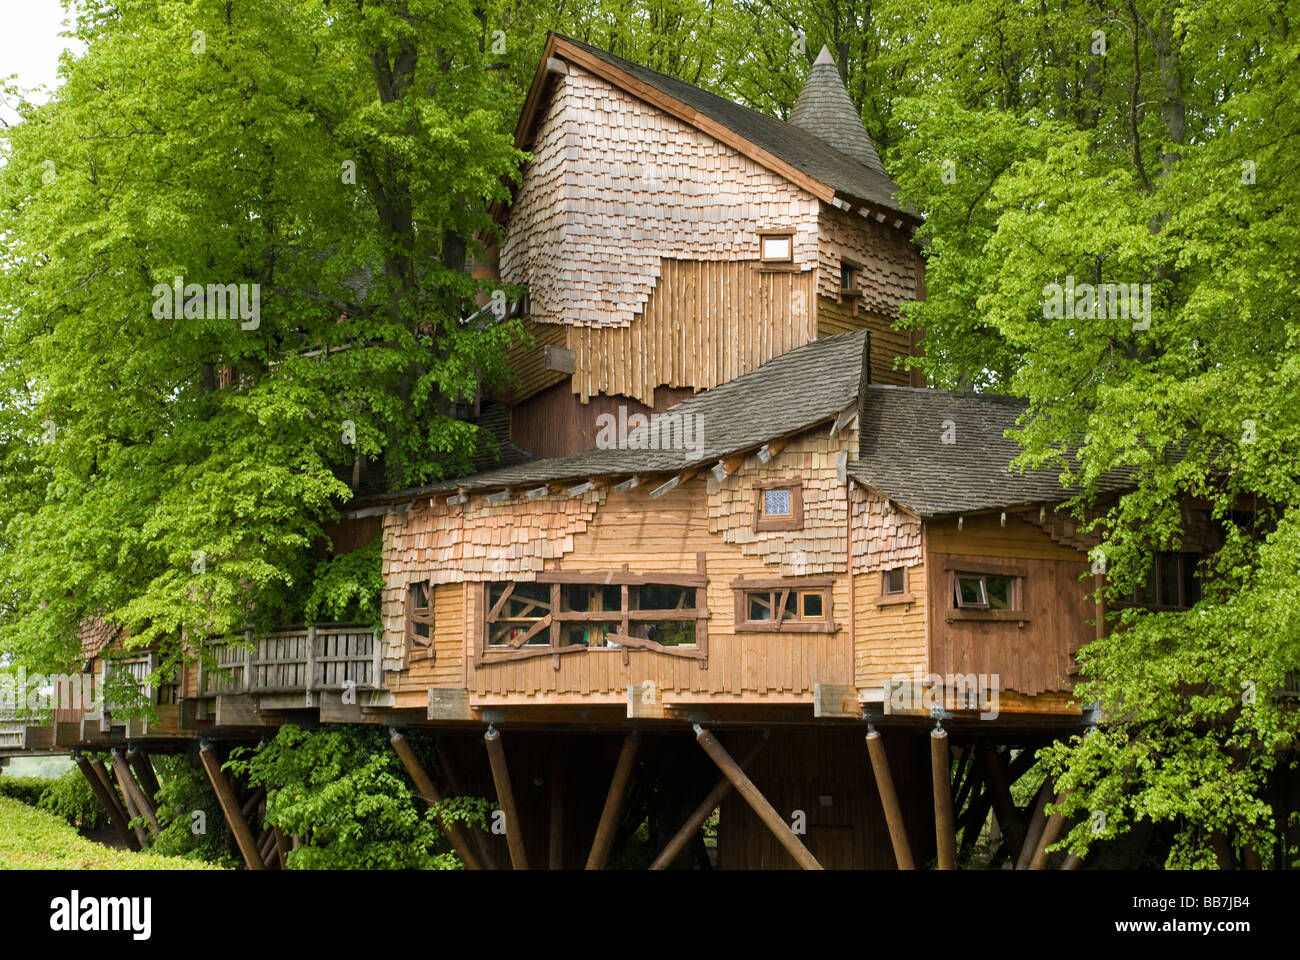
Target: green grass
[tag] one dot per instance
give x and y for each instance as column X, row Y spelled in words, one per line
column 32, row 839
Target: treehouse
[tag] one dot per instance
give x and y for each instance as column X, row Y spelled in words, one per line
column 729, row 516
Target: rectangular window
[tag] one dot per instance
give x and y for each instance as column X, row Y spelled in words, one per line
column 1171, row 582
column 419, row 621
column 778, row 505
column 985, row 591
column 778, row 246
column 795, row 605
column 848, row 277
column 893, row 581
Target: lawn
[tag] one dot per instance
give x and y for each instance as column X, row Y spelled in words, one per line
column 32, row 839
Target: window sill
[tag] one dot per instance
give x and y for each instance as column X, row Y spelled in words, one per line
column 762, row 626
column 989, row 616
column 893, row 599
column 778, row 266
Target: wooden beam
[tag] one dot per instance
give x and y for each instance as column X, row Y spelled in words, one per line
column 424, row 785
column 613, row 808
column 133, row 813
column 506, row 797
column 1036, row 824
column 944, row 829
column 281, row 847
column 144, row 772
column 1051, row 833
column 889, row 801
column 132, row 789
column 664, row 488
column 701, row 813
column 107, row 800
column 631, row 483
column 766, row 812
column 478, row 836
column 231, row 808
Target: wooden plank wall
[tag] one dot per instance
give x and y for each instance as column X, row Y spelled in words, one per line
column 556, row 423
column 529, row 364
column 887, row 344
column 891, row 639
column 703, row 323
column 800, row 767
column 1029, row 659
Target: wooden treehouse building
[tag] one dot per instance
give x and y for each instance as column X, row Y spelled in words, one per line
column 736, row 558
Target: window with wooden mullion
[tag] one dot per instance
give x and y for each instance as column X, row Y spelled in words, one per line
column 419, row 621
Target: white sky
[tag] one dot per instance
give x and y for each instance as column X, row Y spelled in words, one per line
column 30, row 46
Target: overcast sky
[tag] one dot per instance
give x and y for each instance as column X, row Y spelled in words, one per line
column 30, row 45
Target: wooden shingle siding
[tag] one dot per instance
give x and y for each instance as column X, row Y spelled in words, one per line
column 616, row 186
column 820, row 546
column 886, row 536
column 887, row 260
column 703, row 323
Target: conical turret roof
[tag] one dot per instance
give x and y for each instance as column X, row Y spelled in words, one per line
column 825, row 110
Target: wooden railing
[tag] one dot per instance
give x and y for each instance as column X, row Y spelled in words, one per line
column 12, row 729
column 322, row 657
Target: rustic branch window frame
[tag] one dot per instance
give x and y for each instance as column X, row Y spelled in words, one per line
column 777, row 589
column 417, row 650
column 621, row 641
column 763, row 522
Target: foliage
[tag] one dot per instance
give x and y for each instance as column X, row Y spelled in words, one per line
column 25, row 789
column 348, row 587
column 32, row 839
column 184, row 790
column 342, row 789
column 72, row 798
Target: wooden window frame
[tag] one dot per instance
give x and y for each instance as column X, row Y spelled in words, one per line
column 778, row 588
column 416, row 649
column 885, row 597
column 794, row 521
column 557, row 619
column 1183, row 556
column 766, row 235
column 1018, row 573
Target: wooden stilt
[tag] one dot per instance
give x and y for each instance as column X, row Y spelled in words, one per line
column 116, row 815
column 1051, row 833
column 477, row 836
column 889, row 800
column 132, row 811
column 613, row 808
column 555, row 846
column 230, row 807
column 944, row 829
column 1071, row 862
column 281, row 847
column 1036, row 824
column 506, row 797
column 766, row 812
column 253, row 802
column 691, row 827
column 127, row 779
column 142, row 764
column 1004, row 807
column 1249, row 858
column 423, row 784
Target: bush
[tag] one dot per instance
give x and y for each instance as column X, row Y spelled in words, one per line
column 24, row 789
column 72, row 798
column 184, row 792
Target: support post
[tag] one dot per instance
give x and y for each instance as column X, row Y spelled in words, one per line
column 766, row 812
column 455, row 836
column 945, row 835
column 1051, row 833
column 230, row 807
column 132, row 791
column 107, row 800
column 477, row 836
column 506, row 797
column 281, row 847
column 1036, row 824
column 691, row 827
column 889, row 800
column 142, row 764
column 613, row 808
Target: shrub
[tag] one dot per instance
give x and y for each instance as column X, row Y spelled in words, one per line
column 24, row 789
column 72, row 798
column 185, row 791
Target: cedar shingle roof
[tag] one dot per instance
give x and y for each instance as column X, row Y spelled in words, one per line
column 825, row 110
column 815, row 156
column 803, row 387
column 902, row 453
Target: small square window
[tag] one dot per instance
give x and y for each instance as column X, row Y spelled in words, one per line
column 778, row 506
column 895, row 581
column 848, row 276
column 778, row 246
column 776, row 503
column 810, row 606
